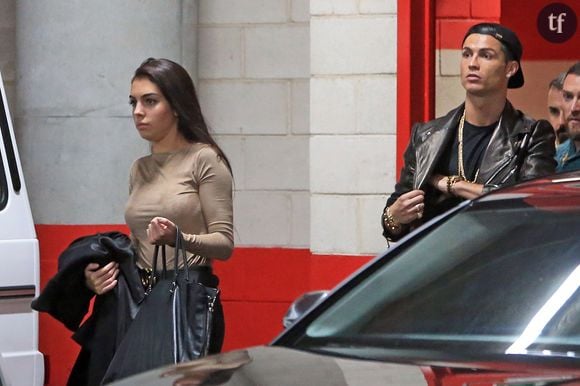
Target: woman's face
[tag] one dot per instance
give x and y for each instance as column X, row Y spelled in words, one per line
column 154, row 118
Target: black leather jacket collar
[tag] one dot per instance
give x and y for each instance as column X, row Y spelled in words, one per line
column 432, row 138
column 519, row 143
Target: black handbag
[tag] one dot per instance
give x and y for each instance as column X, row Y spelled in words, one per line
column 173, row 323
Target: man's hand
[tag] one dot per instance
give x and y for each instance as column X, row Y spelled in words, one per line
column 408, row 207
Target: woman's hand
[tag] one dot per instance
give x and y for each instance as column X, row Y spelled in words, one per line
column 408, row 207
column 101, row 280
column 161, row 231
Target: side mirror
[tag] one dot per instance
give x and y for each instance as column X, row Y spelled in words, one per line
column 301, row 305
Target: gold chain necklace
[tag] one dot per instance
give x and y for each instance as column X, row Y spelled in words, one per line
column 460, row 168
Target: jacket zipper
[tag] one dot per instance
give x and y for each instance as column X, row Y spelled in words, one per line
column 208, row 322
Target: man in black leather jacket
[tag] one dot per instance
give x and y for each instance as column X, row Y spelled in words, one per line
column 481, row 145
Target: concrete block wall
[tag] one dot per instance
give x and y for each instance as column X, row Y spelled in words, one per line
column 74, row 128
column 353, row 122
column 253, row 81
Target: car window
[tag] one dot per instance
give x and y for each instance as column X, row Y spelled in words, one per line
column 500, row 281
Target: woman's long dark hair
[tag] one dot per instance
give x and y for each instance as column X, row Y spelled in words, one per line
column 177, row 87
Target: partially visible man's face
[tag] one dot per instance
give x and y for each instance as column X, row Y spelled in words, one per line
column 571, row 97
column 556, row 110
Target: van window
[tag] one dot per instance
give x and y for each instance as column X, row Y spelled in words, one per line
column 7, row 153
column 3, row 187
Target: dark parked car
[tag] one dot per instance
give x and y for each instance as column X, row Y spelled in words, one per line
column 486, row 294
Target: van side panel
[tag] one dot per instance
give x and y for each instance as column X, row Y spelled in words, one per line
column 20, row 361
column 24, row 368
column 21, row 256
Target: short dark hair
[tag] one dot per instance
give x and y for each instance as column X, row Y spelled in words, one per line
column 575, row 69
column 558, row 82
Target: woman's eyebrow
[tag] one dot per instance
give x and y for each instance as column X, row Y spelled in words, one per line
column 148, row 95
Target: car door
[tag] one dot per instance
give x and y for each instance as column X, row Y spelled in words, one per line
column 20, row 361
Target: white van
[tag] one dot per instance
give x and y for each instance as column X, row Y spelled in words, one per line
column 20, row 361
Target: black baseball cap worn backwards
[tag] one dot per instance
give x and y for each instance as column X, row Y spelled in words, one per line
column 509, row 40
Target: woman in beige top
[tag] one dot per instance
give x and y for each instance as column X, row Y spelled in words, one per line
column 186, row 181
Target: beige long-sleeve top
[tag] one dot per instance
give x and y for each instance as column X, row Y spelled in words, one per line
column 191, row 187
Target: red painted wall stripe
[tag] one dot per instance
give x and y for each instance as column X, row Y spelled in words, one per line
column 452, row 8
column 415, row 68
column 490, row 9
column 450, row 32
column 454, row 17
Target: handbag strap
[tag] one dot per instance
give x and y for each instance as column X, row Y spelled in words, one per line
column 180, row 247
column 179, row 250
column 154, row 272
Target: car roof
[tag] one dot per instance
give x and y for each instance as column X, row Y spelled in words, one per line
column 557, row 191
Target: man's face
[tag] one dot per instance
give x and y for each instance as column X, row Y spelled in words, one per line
column 556, row 110
column 484, row 69
column 571, row 98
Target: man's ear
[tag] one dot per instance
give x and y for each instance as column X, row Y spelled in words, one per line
column 511, row 68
